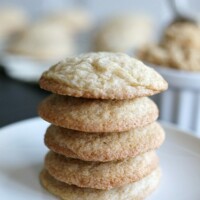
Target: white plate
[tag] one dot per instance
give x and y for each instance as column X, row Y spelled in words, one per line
column 22, row 153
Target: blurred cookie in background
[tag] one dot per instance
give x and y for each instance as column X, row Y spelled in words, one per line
column 184, row 34
column 32, row 51
column 78, row 22
column 43, row 41
column 177, row 58
column 46, row 41
column 124, row 33
column 12, row 20
column 74, row 20
column 179, row 48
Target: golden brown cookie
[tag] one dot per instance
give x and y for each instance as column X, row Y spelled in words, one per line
column 102, row 75
column 100, row 175
column 98, row 115
column 104, row 147
column 137, row 190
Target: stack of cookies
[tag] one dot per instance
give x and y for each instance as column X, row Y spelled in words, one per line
column 103, row 135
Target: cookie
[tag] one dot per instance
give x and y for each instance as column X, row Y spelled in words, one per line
column 74, row 20
column 89, row 115
column 134, row 30
column 13, row 20
column 104, row 147
column 100, row 175
column 43, row 41
column 102, row 75
column 178, row 49
column 137, row 190
column 183, row 34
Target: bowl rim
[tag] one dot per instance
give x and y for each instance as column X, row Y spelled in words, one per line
column 179, row 78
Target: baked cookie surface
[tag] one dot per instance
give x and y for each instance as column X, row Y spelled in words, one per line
column 104, row 147
column 99, row 175
column 102, row 75
column 91, row 115
column 137, row 190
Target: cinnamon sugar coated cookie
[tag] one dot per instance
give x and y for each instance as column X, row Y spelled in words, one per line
column 98, row 115
column 97, row 174
column 102, row 75
column 104, row 147
column 137, row 190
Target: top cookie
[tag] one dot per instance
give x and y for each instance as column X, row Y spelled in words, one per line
column 102, row 75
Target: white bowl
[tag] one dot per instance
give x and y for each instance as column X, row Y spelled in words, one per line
column 180, row 104
column 24, row 68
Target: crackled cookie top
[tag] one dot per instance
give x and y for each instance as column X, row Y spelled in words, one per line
column 102, row 75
